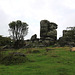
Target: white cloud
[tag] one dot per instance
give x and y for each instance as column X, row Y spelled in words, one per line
column 4, row 23
column 69, row 4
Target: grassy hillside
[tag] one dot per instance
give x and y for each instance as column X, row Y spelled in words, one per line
column 57, row 61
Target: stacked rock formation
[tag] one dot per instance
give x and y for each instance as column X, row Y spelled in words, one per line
column 48, row 32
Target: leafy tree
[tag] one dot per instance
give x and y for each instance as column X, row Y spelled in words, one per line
column 17, row 31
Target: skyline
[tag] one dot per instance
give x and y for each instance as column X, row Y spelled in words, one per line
column 33, row 11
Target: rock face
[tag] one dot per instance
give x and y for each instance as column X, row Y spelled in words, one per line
column 48, row 32
column 68, row 38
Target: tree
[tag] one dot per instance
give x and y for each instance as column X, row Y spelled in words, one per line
column 18, row 30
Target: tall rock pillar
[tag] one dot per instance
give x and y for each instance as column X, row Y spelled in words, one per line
column 48, row 32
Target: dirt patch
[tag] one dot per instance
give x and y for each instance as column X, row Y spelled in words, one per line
column 72, row 49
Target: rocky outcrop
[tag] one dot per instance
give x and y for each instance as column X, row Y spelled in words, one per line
column 48, row 35
column 48, row 32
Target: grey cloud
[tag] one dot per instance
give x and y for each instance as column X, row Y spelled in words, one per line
column 32, row 11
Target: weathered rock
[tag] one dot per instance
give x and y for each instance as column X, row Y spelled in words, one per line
column 68, row 38
column 34, row 37
column 53, row 26
column 48, row 35
column 48, row 32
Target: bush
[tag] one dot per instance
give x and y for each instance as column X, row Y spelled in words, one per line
column 36, row 51
column 14, row 58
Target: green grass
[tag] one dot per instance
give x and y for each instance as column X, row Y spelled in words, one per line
column 59, row 61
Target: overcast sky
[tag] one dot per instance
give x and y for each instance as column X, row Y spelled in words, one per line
column 61, row 12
